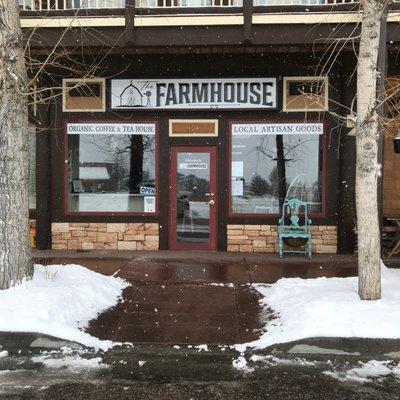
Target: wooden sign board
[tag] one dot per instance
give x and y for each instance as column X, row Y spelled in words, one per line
column 194, row 94
column 193, row 127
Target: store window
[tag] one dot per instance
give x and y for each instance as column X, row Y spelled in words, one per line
column 112, row 172
column 84, row 95
column 32, row 168
column 305, row 93
column 268, row 168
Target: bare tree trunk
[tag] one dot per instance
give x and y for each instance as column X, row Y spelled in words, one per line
column 136, row 162
column 15, row 253
column 368, row 130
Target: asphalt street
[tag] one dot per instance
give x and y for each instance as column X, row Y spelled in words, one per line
column 296, row 371
column 269, row 383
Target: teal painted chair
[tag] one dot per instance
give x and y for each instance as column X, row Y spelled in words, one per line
column 295, row 224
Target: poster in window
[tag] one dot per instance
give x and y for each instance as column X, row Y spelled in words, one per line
column 237, row 188
column 237, row 169
column 149, row 204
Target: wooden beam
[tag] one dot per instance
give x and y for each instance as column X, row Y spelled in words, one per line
column 248, row 20
column 130, row 11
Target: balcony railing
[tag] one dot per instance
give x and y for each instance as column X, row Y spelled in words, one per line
column 235, row 3
column 47, row 5
column 302, row 2
column 187, row 3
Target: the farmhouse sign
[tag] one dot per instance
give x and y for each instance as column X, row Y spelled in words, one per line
column 234, row 93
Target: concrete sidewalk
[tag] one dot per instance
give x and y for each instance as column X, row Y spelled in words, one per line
column 152, row 267
column 191, row 297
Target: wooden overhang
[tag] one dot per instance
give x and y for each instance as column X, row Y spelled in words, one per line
column 138, row 28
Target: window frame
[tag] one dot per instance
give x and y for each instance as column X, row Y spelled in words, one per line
column 116, row 214
column 65, row 81
column 287, row 79
column 267, row 216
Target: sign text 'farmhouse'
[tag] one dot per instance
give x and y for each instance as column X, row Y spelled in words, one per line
column 234, row 93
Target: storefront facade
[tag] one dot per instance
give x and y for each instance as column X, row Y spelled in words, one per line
column 196, row 122
column 183, row 156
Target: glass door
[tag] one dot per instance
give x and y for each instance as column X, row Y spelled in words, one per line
column 193, row 198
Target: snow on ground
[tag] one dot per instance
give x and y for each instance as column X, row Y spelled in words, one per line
column 367, row 371
column 242, row 364
column 74, row 363
column 328, row 307
column 271, row 360
column 59, row 301
column 202, row 347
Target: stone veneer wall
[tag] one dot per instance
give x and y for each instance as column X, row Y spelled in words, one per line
column 104, row 236
column 264, row 238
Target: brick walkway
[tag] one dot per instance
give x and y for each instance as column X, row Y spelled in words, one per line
column 191, row 297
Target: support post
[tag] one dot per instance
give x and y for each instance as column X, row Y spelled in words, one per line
column 247, row 21
column 130, row 11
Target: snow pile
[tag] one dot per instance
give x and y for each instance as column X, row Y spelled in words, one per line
column 73, row 363
column 370, row 370
column 202, row 347
column 272, row 361
column 328, row 307
column 59, row 301
column 240, row 364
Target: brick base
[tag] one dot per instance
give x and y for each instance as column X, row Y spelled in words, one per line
column 264, row 238
column 104, row 236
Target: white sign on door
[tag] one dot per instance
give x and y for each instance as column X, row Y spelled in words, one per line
column 192, row 165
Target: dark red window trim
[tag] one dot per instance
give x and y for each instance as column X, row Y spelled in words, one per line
column 323, row 213
column 112, row 213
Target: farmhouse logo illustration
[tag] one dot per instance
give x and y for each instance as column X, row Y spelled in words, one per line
column 193, row 93
column 132, row 96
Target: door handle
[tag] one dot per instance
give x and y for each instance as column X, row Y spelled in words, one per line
column 211, row 202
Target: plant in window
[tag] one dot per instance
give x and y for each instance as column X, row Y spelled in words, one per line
column 259, row 186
